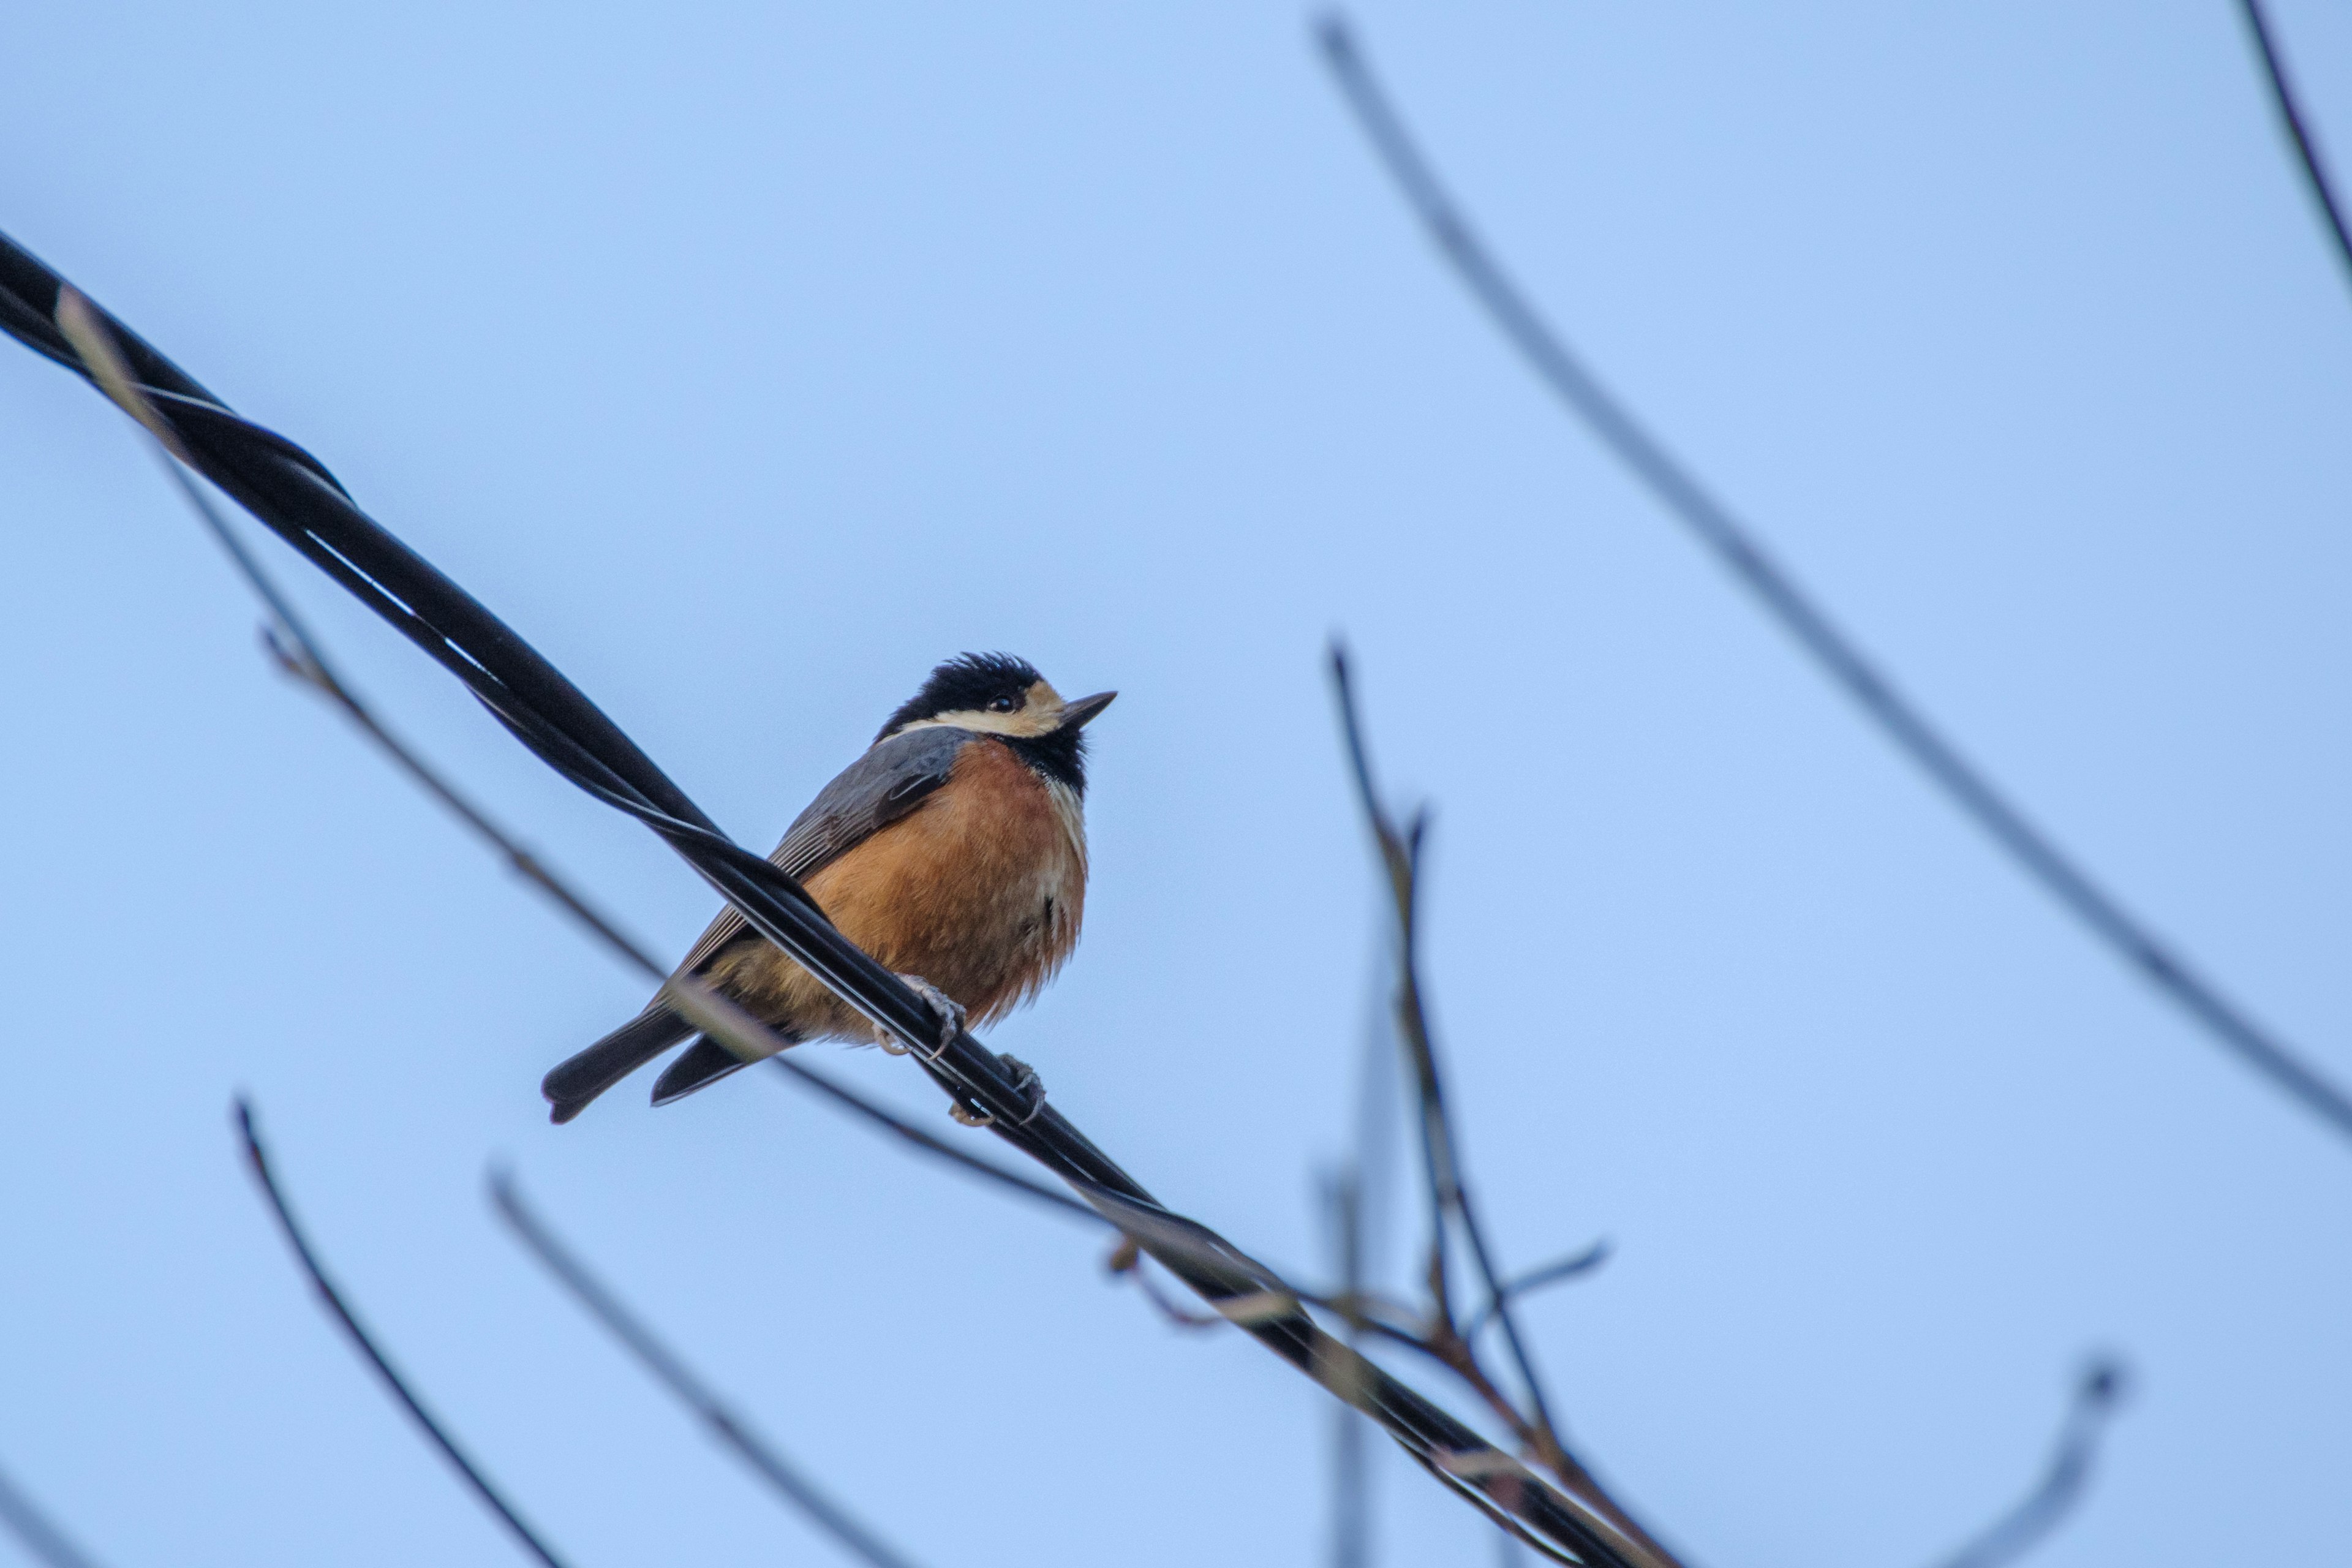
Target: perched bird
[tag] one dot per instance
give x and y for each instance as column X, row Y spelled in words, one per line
column 954, row 851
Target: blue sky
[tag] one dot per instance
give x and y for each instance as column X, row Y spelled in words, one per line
column 749, row 359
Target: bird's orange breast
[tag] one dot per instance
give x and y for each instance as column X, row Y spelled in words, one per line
column 981, row 891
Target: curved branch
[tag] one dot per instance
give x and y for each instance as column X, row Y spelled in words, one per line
column 1837, row 654
column 1552, row 1273
column 2290, row 113
column 365, row 1344
column 659, row 1359
column 1449, row 1194
column 1401, row 855
column 34, row 1529
column 2101, row 1389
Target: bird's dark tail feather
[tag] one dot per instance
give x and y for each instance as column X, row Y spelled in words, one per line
column 704, row 1062
column 576, row 1081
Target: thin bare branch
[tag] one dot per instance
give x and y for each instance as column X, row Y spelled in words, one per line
column 781, row 1477
column 365, row 1343
column 1400, row 853
column 939, row 1148
column 2298, row 132
column 1837, row 654
column 290, row 641
column 1443, row 1337
column 2097, row 1394
column 1575, row 1265
column 1342, row 1193
column 1443, row 1180
column 35, row 1533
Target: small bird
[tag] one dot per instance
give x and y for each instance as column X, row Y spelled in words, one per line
column 954, row 851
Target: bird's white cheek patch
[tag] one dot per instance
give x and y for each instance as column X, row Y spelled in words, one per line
column 1040, row 716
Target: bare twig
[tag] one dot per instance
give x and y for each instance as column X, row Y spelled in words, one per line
column 2291, row 119
column 290, row 641
column 1356, row 1201
column 2096, row 1396
column 1441, row 1336
column 659, row 1359
column 1400, row 854
column 1342, row 1193
column 1396, row 855
column 35, row 1533
column 365, row 1343
column 938, row 1148
column 1573, row 1266
column 1908, row 726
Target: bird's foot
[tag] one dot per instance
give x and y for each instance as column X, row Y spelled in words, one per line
column 1025, row 1083
column 950, row 1015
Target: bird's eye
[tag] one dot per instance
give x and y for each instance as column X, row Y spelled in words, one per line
column 1003, row 704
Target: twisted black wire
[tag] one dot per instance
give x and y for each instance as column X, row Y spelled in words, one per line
column 294, row 496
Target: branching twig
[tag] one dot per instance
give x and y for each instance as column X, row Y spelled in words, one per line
column 1799, row 614
column 295, row 496
column 1568, row 1268
column 1398, row 853
column 366, row 1345
column 2290, row 113
column 1441, row 1336
column 659, row 1359
column 1401, row 855
column 2102, row 1388
column 34, row 1530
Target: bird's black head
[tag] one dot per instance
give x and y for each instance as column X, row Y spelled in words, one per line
column 997, row 694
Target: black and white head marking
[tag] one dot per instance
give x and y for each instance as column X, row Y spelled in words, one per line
column 1000, row 695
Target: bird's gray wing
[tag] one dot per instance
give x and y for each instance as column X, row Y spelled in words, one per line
column 877, row 789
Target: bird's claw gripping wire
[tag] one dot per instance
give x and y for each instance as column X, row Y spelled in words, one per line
column 950, row 1013
column 1028, row 1085
column 1025, row 1083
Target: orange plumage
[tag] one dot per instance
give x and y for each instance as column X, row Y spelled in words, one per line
column 981, row 891
column 954, row 851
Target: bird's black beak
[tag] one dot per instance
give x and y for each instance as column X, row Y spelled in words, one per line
column 1074, row 715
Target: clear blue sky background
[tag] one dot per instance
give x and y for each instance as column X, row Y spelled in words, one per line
column 751, row 359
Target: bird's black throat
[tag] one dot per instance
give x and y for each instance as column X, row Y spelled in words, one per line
column 1060, row 756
